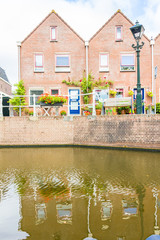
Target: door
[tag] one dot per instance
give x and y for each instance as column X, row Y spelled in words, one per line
column 74, row 101
column 5, row 103
column 135, row 95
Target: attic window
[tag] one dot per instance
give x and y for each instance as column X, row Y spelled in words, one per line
column 53, row 34
column 119, row 36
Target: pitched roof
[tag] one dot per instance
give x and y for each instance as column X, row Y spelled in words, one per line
column 52, row 12
column 3, row 75
column 117, row 12
column 157, row 37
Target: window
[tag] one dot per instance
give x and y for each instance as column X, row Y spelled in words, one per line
column 38, row 63
column 53, row 33
column 62, row 63
column 54, row 91
column 119, row 92
column 37, row 93
column 103, row 62
column 127, row 62
column 119, row 33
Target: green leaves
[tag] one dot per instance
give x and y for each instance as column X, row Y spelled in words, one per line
column 18, row 100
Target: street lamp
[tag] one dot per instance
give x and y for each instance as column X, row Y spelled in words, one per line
column 137, row 31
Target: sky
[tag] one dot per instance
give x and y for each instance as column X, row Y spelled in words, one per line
column 19, row 17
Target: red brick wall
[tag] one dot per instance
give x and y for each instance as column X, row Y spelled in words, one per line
column 126, row 130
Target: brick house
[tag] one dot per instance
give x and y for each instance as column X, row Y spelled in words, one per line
column 112, row 57
column 53, row 52
column 5, row 86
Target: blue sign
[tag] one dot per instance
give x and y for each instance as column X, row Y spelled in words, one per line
column 74, row 101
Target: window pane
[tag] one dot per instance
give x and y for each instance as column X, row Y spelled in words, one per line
column 103, row 60
column 127, row 60
column 37, row 93
column 119, row 33
column 62, row 61
column 53, row 33
column 39, row 60
column 54, row 92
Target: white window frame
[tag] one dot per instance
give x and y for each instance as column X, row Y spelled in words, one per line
column 63, row 68
column 34, row 89
column 121, row 38
column 38, row 68
column 51, row 37
column 123, row 68
column 104, row 68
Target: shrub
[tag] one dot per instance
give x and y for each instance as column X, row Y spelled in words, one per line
column 158, row 108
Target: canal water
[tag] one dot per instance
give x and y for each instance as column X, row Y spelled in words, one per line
column 73, row 193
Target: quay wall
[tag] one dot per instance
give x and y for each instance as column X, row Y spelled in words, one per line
column 110, row 131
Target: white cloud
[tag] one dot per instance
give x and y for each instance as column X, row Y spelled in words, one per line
column 18, row 18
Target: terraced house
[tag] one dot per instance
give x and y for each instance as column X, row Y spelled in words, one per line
column 54, row 52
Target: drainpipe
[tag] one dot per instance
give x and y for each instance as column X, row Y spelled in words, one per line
column 152, row 42
column 86, row 45
column 19, row 66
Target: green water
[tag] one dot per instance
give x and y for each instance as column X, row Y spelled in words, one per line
column 68, row 193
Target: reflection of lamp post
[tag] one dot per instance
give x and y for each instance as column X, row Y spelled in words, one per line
column 89, row 231
column 137, row 31
column 156, row 235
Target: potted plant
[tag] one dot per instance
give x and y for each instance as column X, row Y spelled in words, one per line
column 86, row 111
column 63, row 113
column 149, row 94
column 112, row 93
column 130, row 93
column 49, row 100
column 114, row 111
column 98, row 108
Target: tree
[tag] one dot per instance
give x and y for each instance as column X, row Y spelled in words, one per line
column 18, row 100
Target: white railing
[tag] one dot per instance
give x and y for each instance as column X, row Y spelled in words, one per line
column 36, row 108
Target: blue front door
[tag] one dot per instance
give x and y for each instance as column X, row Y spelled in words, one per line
column 135, row 94
column 74, row 101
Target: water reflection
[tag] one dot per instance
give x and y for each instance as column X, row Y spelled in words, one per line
column 73, row 193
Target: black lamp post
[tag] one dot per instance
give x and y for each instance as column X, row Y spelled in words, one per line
column 137, row 31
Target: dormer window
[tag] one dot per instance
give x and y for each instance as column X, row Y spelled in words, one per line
column 119, row 36
column 53, row 33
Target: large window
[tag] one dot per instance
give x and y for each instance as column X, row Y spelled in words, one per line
column 62, row 63
column 37, row 93
column 127, row 62
column 103, row 62
column 53, row 33
column 119, row 33
column 38, row 62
